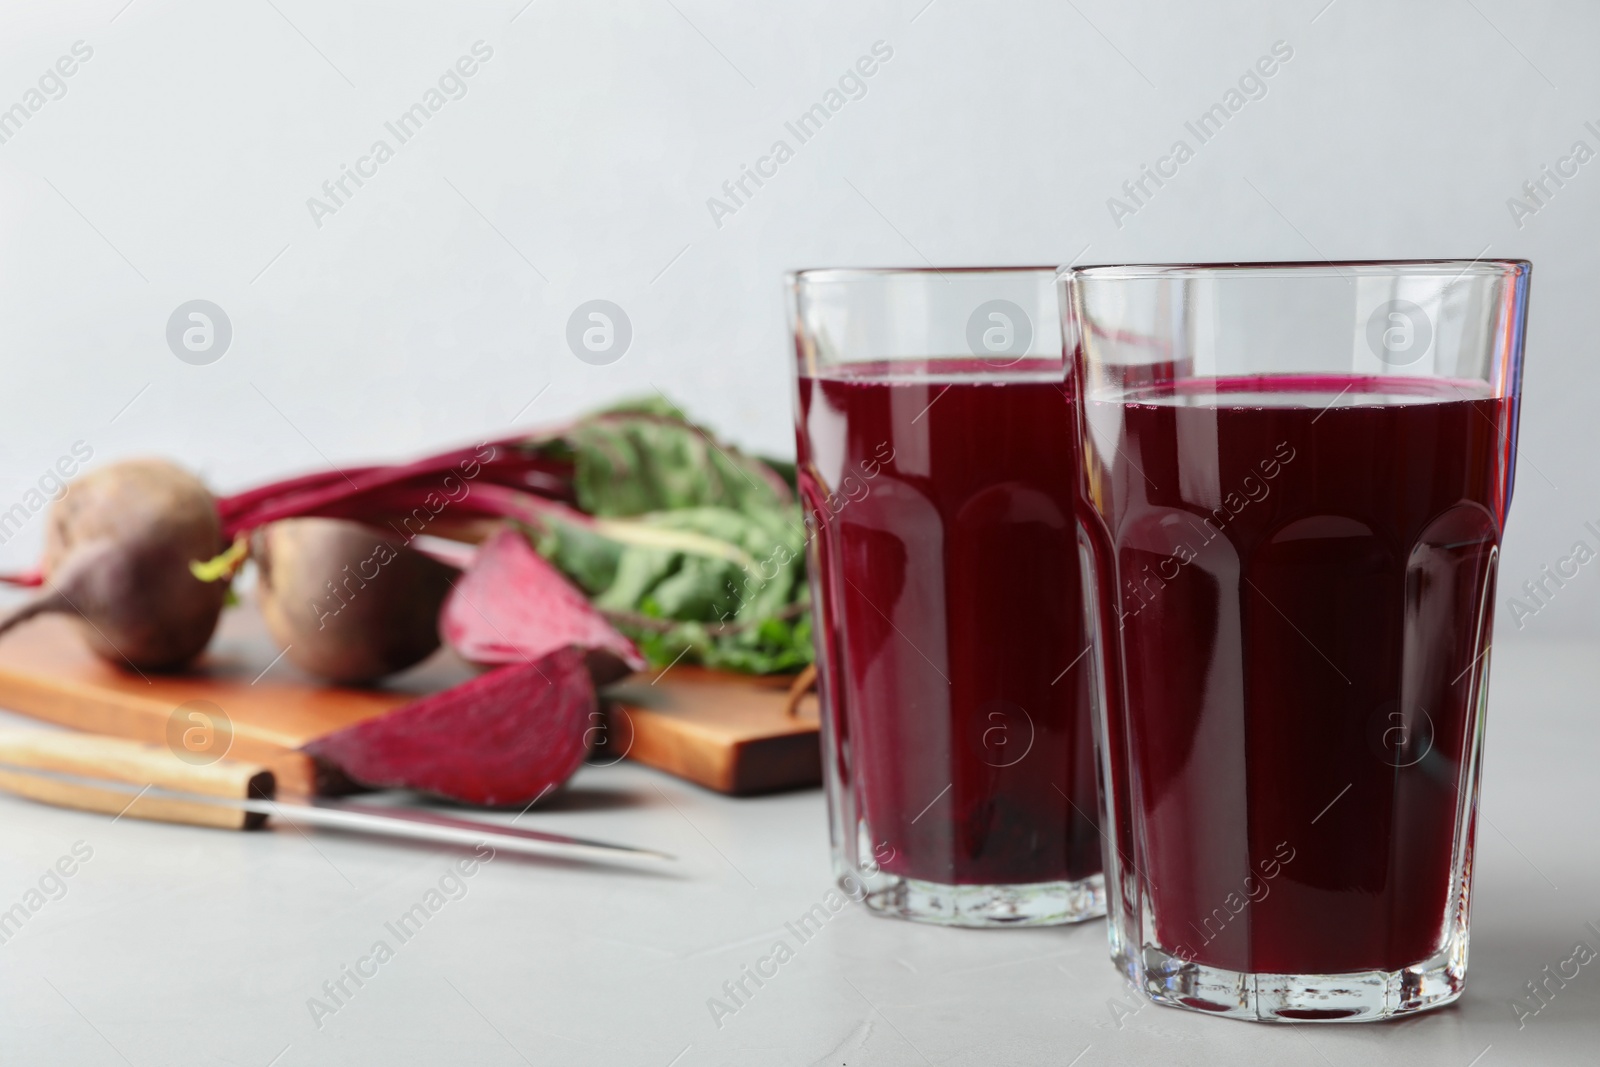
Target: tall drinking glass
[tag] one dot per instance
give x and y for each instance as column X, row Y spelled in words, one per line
column 1294, row 482
column 937, row 459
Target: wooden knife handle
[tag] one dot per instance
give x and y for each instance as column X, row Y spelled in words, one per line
column 97, row 756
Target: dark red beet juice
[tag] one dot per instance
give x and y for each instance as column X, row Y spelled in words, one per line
column 950, row 619
column 1304, row 585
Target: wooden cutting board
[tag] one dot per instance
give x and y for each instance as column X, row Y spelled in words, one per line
column 728, row 732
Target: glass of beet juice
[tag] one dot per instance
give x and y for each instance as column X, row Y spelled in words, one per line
column 937, row 459
column 1294, row 482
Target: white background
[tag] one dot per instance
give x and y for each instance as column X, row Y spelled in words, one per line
column 432, row 307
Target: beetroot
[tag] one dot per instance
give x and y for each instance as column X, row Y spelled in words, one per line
column 118, row 554
column 345, row 601
column 505, row 737
column 511, row 607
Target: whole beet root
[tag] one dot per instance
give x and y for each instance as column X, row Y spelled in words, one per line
column 347, row 602
column 117, row 553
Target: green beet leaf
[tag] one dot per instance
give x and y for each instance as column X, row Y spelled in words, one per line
column 696, row 550
column 645, row 456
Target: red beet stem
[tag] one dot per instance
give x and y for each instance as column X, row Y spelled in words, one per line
column 510, row 462
column 360, row 494
column 355, row 479
column 241, row 503
column 409, row 509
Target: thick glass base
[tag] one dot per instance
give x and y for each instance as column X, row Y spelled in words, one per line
column 1028, row 904
column 1360, row 996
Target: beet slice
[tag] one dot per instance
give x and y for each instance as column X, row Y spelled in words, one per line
column 512, row 606
column 504, row 737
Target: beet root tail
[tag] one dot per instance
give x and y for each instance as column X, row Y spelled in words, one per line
column 47, row 602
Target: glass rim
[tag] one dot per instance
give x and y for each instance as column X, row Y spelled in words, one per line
column 824, row 275
column 1301, row 268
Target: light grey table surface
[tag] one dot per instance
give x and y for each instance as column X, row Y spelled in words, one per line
column 174, row 945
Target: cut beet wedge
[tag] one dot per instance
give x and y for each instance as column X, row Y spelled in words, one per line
column 505, row 737
column 512, row 606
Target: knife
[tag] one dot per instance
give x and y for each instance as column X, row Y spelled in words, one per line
column 108, row 774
